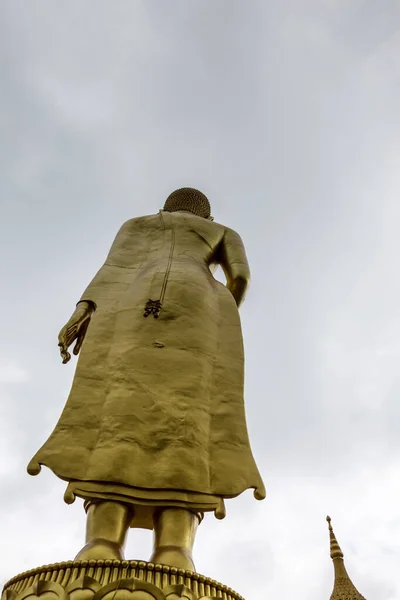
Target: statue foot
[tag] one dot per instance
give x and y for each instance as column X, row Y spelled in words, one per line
column 100, row 549
column 173, row 556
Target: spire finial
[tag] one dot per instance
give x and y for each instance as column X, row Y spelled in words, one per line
column 336, row 551
column 343, row 588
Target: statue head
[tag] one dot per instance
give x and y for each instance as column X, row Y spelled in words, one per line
column 190, row 200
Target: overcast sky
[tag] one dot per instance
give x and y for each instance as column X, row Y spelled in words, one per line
column 286, row 114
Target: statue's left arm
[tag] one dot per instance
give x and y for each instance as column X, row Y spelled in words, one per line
column 234, row 263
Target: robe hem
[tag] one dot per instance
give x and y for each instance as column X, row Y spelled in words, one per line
column 144, row 501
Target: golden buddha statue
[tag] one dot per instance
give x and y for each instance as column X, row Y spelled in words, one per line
column 153, row 433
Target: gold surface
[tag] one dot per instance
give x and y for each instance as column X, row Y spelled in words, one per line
column 343, row 588
column 113, row 580
column 189, row 199
column 155, row 418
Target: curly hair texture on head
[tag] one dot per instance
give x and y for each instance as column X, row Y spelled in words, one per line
column 188, row 199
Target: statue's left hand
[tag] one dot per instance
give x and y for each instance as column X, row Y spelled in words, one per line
column 75, row 329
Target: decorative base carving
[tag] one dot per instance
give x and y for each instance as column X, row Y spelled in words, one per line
column 113, row 580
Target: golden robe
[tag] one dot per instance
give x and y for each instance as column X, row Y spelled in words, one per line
column 155, row 415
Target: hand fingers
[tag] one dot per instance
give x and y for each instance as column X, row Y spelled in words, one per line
column 71, row 332
column 66, row 338
column 74, row 330
column 70, row 338
column 68, row 332
column 81, row 337
column 61, row 336
column 78, row 345
column 65, row 355
column 64, row 334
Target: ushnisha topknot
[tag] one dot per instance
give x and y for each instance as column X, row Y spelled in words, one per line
column 188, row 199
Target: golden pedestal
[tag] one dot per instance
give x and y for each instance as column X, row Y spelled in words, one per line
column 113, row 580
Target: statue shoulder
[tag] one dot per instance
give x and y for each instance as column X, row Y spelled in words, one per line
column 231, row 234
column 131, row 239
column 137, row 223
column 224, row 228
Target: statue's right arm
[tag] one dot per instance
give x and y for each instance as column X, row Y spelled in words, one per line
column 77, row 325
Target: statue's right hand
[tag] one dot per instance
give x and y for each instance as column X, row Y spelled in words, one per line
column 75, row 329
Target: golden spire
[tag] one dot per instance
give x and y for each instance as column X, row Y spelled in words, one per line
column 343, row 588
